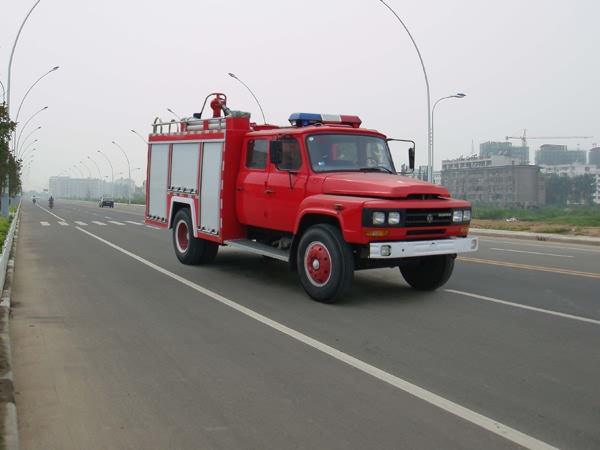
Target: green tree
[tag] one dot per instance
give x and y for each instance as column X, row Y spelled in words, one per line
column 583, row 189
column 558, row 189
column 9, row 168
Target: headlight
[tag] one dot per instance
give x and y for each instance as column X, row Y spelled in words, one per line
column 457, row 216
column 394, row 218
column 378, row 218
column 467, row 215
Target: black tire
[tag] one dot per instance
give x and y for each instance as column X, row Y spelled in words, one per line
column 325, row 263
column 427, row 273
column 191, row 250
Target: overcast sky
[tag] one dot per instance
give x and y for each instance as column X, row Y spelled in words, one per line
column 523, row 64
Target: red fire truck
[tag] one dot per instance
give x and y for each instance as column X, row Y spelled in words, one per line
column 321, row 194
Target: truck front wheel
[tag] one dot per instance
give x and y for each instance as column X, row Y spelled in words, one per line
column 427, row 273
column 191, row 250
column 325, row 263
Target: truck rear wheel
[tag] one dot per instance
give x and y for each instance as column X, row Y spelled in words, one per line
column 427, row 273
column 325, row 263
column 189, row 249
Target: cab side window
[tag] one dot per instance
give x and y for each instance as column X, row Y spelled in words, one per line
column 290, row 155
column 256, row 154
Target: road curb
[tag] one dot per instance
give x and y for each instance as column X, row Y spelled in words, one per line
column 546, row 237
column 9, row 430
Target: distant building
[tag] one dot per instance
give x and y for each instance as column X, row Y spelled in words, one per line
column 576, row 170
column 554, row 155
column 495, row 180
column 487, row 149
column 595, row 156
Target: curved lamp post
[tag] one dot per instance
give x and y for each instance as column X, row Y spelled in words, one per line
column 429, row 141
column 27, row 122
column 249, row 90
column 457, row 95
column 11, row 57
column 112, row 172
column 140, row 136
column 129, row 173
column 99, row 176
column 172, row 112
column 18, row 151
column 29, row 90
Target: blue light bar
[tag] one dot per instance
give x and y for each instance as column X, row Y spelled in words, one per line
column 305, row 119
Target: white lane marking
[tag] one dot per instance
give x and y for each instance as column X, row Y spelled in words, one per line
column 64, row 224
column 154, row 228
column 83, row 224
column 531, row 253
column 524, row 243
column 134, row 223
column 52, row 214
column 99, row 223
column 116, row 223
column 45, row 224
column 107, row 217
column 480, row 420
column 530, row 308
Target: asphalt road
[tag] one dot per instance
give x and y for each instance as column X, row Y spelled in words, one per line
column 117, row 345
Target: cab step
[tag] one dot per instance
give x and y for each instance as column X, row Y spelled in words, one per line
column 259, row 249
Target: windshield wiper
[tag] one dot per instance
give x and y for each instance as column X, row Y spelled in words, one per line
column 375, row 169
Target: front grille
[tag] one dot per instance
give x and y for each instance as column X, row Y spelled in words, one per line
column 427, row 217
column 424, row 232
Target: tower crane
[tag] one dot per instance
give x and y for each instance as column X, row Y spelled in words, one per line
column 524, row 137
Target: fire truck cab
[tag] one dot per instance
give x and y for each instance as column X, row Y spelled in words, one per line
column 321, row 194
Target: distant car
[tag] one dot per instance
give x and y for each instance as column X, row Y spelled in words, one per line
column 106, row 201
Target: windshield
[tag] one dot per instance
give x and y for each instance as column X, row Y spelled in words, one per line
column 348, row 152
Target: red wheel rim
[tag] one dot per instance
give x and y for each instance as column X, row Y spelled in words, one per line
column 181, row 233
column 317, row 264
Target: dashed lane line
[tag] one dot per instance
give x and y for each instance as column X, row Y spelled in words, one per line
column 102, row 224
column 45, row 224
column 469, row 415
column 116, row 223
column 576, row 273
column 63, row 224
column 134, row 223
column 521, row 306
column 83, row 224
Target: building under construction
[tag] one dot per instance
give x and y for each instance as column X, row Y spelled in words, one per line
column 556, row 155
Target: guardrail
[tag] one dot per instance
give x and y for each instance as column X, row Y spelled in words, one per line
column 7, row 246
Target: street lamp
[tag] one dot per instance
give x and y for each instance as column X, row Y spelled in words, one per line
column 18, row 151
column 29, row 90
column 99, row 194
column 112, row 172
column 25, row 124
column 429, row 142
column 30, row 152
column 87, row 168
column 140, row 136
column 172, row 112
column 457, row 95
column 129, row 173
column 11, row 57
column 249, row 90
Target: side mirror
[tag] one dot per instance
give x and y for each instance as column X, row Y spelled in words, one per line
column 275, row 152
column 411, row 158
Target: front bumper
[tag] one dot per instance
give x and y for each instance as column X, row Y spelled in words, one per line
column 408, row 249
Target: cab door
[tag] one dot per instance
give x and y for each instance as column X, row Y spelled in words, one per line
column 286, row 187
column 251, row 184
